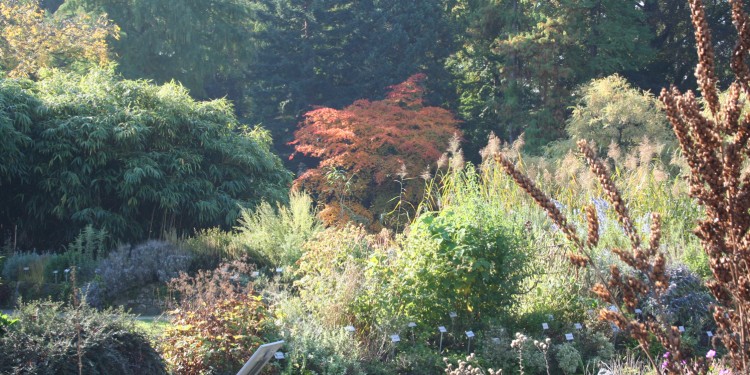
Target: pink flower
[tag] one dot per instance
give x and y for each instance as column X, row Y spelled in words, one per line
column 666, row 355
column 711, row 353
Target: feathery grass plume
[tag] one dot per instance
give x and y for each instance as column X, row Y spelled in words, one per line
column 602, row 173
column 716, row 148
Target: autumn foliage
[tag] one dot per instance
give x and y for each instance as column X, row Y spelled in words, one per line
column 29, row 40
column 373, row 154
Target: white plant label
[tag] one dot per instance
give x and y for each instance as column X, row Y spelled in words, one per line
column 681, row 328
column 349, row 328
column 710, row 334
column 412, row 325
column 469, row 334
column 569, row 336
column 578, row 326
column 278, row 355
column 545, row 326
column 442, row 329
column 452, row 314
column 395, row 338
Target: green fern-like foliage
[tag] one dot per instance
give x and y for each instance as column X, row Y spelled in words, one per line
column 133, row 158
column 279, row 233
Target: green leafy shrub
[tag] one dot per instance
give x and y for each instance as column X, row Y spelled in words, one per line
column 49, row 336
column 464, row 258
column 130, row 157
column 218, row 323
column 5, row 322
column 313, row 348
column 568, row 358
column 15, row 267
column 278, row 233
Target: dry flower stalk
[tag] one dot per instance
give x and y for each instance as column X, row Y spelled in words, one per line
column 649, row 264
column 716, row 147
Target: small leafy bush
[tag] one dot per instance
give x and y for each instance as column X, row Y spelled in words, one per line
column 313, row 347
column 332, row 274
column 568, row 358
column 218, row 323
column 89, row 246
column 13, row 269
column 49, row 336
column 279, row 233
column 5, row 322
column 132, row 267
column 462, row 259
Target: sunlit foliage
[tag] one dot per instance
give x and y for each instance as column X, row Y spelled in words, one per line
column 30, row 40
column 130, row 157
column 370, row 149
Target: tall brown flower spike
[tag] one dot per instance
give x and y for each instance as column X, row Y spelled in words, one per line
column 649, row 265
column 716, row 147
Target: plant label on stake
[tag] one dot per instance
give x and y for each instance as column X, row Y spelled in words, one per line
column 681, row 328
column 470, row 335
column 578, row 326
column 442, row 330
column 259, row 359
column 255, row 274
column 279, row 269
column 569, row 336
column 411, row 325
column 638, row 311
column 452, row 314
column 279, row 355
column 350, row 329
column 709, row 334
column 395, row 338
column 496, row 340
column 545, row 326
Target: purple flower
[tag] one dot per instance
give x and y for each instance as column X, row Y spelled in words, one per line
column 711, row 353
column 666, row 355
column 664, row 364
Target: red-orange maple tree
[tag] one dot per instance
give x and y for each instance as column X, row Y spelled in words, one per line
column 372, row 153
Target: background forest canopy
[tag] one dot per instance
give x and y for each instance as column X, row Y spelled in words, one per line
column 140, row 116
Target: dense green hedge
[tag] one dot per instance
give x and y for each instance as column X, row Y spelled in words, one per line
column 131, row 157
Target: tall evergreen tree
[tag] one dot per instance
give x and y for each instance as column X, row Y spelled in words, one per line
column 674, row 43
column 201, row 43
column 521, row 59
